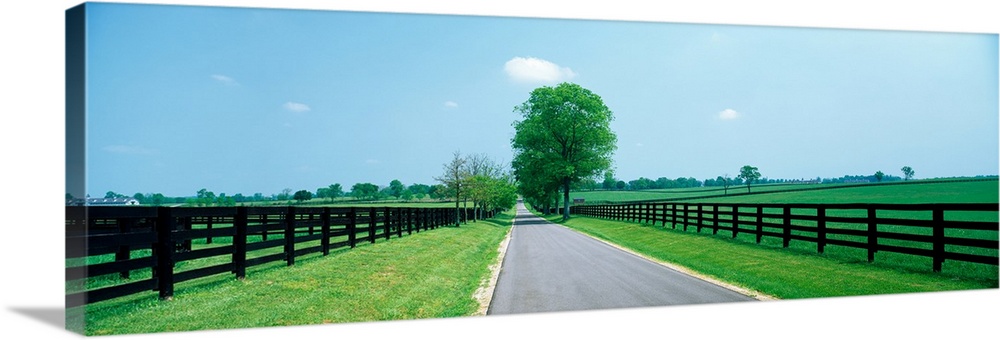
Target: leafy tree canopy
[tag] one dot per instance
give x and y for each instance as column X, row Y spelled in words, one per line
column 749, row 174
column 564, row 136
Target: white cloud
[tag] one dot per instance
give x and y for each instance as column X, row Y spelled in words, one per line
column 371, row 161
column 128, row 150
column 729, row 114
column 450, row 104
column 638, row 144
column 297, row 107
column 225, row 79
column 536, row 71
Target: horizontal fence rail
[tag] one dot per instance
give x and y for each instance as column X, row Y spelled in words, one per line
column 122, row 241
column 957, row 232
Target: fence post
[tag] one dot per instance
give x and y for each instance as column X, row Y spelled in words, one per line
column 290, row 236
column 352, row 226
column 186, row 225
column 686, row 216
column 399, row 222
column 872, row 234
column 715, row 219
column 673, row 215
column 208, row 225
column 409, row 221
column 423, row 218
column 387, row 213
column 263, row 223
column 165, row 225
column 325, row 242
column 663, row 215
column 736, row 219
column 938, row 216
column 786, row 226
column 700, row 218
column 240, row 243
column 372, row 224
column 124, row 252
column 820, row 229
column 760, row 222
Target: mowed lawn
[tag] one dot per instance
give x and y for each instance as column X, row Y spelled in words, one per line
column 431, row 274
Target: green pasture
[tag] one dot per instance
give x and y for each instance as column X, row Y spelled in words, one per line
column 664, row 239
column 933, row 192
column 430, row 274
column 927, row 191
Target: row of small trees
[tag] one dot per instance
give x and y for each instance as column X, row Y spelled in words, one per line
column 359, row 191
column 477, row 178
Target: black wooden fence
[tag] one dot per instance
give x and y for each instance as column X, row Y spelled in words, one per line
column 166, row 235
column 969, row 233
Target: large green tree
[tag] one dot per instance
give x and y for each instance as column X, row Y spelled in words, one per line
column 302, row 195
column 749, row 174
column 363, row 191
column 396, row 188
column 565, row 135
column 907, row 172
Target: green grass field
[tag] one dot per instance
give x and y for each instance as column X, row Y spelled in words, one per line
column 799, row 271
column 944, row 191
column 429, row 274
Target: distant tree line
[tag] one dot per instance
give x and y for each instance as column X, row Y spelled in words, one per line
column 610, row 182
column 360, row 191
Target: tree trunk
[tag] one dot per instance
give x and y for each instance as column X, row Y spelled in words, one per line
column 566, row 198
column 458, row 218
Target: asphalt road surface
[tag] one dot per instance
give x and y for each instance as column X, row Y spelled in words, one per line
column 550, row 268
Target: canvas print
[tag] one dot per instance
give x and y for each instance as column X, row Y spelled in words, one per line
column 232, row 167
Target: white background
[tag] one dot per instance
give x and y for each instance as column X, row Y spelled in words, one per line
column 32, row 109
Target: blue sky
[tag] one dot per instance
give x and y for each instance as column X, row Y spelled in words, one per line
column 258, row 100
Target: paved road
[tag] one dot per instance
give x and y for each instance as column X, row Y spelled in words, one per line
column 550, row 268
